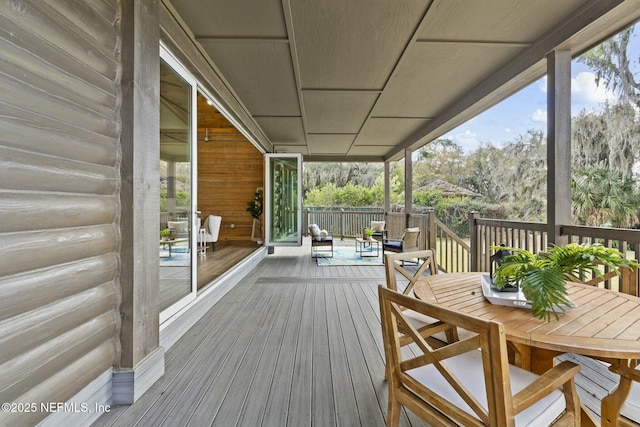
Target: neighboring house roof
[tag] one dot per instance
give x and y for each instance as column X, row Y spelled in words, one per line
column 448, row 189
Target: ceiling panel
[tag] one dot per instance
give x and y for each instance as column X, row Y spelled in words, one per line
column 283, row 130
column 233, row 18
column 370, row 150
column 260, row 72
column 302, row 149
column 330, row 144
column 498, row 20
column 433, row 75
column 337, row 112
column 352, row 44
column 387, row 131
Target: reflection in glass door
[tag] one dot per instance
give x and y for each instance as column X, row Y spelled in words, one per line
column 176, row 241
column 283, row 200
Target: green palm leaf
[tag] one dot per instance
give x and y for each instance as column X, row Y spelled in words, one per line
column 542, row 277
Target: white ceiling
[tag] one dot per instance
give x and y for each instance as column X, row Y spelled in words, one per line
column 363, row 80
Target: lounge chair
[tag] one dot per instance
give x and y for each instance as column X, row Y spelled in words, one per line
column 321, row 242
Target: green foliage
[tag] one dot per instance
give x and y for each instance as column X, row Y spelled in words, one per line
column 514, row 176
column 183, row 199
column 316, row 175
column 542, row 277
column 441, row 159
column 254, row 207
column 427, row 198
column 349, row 195
column 601, row 197
column 455, row 211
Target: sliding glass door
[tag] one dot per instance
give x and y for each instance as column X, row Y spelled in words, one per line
column 177, row 159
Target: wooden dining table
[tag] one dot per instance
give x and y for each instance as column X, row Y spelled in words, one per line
column 604, row 324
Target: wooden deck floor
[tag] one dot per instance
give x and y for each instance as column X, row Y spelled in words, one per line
column 294, row 344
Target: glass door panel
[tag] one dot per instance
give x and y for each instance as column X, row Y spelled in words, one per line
column 283, row 200
column 176, row 254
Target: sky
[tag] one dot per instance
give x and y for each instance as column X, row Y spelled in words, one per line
column 527, row 109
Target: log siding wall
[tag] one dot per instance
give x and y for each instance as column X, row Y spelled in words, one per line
column 59, row 198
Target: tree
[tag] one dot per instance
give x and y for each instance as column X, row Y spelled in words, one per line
column 612, row 65
column 601, row 197
column 609, row 139
column 484, row 173
column 514, row 176
column 340, row 174
column 441, row 159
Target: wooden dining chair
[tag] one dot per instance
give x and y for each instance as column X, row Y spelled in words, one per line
column 616, row 410
column 394, row 264
column 628, row 280
column 468, row 382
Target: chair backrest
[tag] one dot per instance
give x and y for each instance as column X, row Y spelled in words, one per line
column 378, row 226
column 444, row 386
column 411, row 239
column 212, row 224
column 181, row 227
column 628, row 279
column 489, row 338
column 428, row 258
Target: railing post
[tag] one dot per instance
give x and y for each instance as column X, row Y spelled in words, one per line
column 475, row 241
column 431, row 228
column 341, row 224
column 306, row 223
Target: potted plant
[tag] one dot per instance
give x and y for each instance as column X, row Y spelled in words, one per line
column 542, row 277
column 255, row 208
column 164, row 234
column 367, row 233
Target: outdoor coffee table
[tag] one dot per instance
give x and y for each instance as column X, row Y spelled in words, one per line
column 364, row 247
column 171, row 243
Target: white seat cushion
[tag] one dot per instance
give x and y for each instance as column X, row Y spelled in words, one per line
column 468, row 369
column 631, row 407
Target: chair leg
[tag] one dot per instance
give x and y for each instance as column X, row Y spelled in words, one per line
column 393, row 414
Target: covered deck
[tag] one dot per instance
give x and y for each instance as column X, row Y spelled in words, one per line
column 292, row 344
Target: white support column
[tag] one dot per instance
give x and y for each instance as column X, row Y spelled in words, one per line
column 558, row 144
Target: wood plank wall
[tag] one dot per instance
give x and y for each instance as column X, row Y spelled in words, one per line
column 230, row 169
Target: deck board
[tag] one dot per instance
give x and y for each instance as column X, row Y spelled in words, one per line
column 293, row 344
